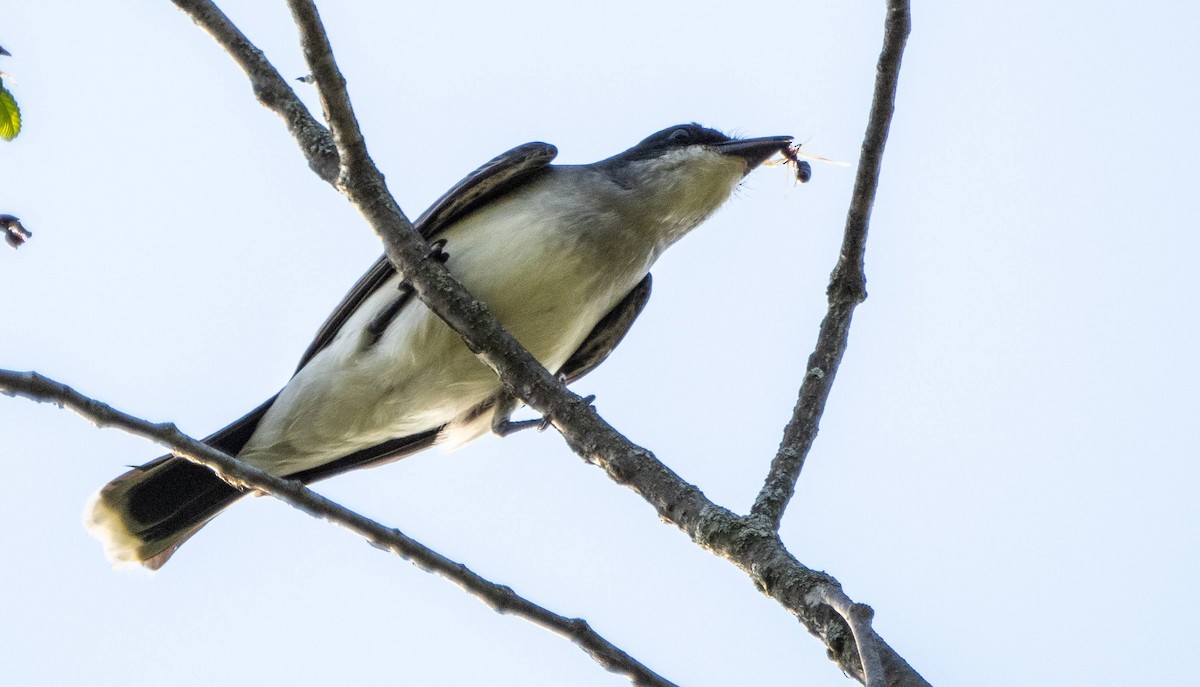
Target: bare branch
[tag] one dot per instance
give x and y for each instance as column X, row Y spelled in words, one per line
column 847, row 286
column 858, row 617
column 500, row 598
column 271, row 89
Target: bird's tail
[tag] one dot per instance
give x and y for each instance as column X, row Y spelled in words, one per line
column 144, row 515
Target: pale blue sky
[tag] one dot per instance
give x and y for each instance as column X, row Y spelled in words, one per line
column 1007, row 468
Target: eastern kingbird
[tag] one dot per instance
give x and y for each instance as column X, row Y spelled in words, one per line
column 560, row 253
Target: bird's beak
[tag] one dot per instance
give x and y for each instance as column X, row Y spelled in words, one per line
column 754, row 151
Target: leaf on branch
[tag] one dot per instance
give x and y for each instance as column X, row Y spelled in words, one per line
column 10, row 115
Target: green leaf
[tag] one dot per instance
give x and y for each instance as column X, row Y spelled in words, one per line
column 10, row 115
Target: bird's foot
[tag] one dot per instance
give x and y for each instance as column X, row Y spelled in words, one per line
column 504, row 428
column 437, row 251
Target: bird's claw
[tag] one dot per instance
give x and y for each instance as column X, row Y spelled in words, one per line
column 437, row 251
column 508, row 427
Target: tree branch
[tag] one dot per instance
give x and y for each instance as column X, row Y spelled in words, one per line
column 847, row 286
column 271, row 89
column 858, row 617
column 500, row 598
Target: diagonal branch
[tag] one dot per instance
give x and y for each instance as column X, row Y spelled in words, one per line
column 847, row 286
column 500, row 598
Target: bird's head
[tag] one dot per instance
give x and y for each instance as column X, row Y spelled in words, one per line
column 679, row 176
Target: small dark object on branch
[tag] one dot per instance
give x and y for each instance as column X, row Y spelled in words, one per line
column 5, row 52
column 14, row 232
column 307, row 78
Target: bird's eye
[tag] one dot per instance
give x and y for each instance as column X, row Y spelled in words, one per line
column 680, row 136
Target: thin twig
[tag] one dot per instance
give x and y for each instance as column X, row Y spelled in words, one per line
column 847, row 287
column 500, row 598
column 858, row 617
column 271, row 89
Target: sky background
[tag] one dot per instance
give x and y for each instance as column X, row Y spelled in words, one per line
column 1006, row 471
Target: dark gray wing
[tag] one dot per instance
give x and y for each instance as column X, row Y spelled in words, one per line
column 607, row 333
column 500, row 174
column 379, row 454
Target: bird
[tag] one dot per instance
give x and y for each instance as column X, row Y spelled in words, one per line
column 561, row 254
